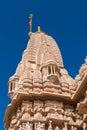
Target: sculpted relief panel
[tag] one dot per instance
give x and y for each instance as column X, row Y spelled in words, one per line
column 45, row 115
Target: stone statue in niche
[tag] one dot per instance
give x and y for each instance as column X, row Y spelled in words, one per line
column 26, row 108
column 28, row 126
column 60, row 110
column 39, row 126
column 54, row 109
column 18, row 116
column 38, row 109
column 50, row 108
column 69, row 114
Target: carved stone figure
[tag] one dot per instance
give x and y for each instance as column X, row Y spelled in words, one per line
column 40, row 126
column 38, row 109
column 28, row 126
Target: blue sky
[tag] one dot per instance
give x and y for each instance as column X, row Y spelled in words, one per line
column 64, row 20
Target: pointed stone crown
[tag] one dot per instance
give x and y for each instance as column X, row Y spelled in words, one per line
column 41, row 68
column 42, row 49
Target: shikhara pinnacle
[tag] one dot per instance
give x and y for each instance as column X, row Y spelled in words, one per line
column 44, row 96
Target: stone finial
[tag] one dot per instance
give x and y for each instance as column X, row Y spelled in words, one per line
column 39, row 29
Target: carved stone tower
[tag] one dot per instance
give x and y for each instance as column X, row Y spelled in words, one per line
column 44, row 96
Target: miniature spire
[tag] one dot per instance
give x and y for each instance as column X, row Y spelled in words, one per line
column 30, row 23
column 39, row 29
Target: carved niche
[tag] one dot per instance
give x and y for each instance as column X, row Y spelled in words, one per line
column 54, row 109
column 27, row 110
column 39, row 126
column 38, row 109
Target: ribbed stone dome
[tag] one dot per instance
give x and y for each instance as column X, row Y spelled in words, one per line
column 42, row 48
